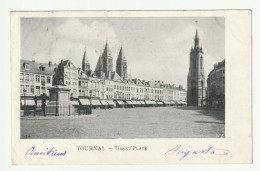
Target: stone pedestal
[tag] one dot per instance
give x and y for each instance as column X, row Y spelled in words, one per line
column 59, row 103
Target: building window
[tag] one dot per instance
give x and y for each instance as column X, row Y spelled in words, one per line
column 32, row 89
column 68, row 74
column 42, row 68
column 37, row 90
column 27, row 77
column 48, row 79
column 43, row 90
column 37, row 78
column 43, row 80
column 22, row 77
column 27, row 89
column 31, row 77
column 21, row 89
column 26, row 66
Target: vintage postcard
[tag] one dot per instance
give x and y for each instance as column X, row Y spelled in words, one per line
column 131, row 87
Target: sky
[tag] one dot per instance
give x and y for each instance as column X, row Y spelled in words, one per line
column 155, row 48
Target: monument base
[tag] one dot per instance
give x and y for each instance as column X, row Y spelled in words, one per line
column 59, row 104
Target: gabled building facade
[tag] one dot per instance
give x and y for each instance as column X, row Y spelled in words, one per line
column 35, row 78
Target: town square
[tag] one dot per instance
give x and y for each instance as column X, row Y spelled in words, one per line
column 154, row 122
column 130, row 97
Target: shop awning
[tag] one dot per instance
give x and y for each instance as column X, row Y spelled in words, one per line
column 74, row 102
column 159, row 102
column 134, row 102
column 167, row 102
column 181, row 102
column 129, row 102
column 110, row 102
column 29, row 102
column 142, row 102
column 152, row 102
column 95, row 102
column 103, row 102
column 84, row 101
column 137, row 103
column 120, row 102
column 172, row 102
column 148, row 102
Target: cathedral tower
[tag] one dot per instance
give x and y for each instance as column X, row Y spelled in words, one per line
column 196, row 77
column 121, row 65
column 107, row 61
column 85, row 63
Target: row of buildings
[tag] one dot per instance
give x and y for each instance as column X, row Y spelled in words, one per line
column 103, row 82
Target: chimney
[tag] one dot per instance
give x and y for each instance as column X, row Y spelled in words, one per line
column 50, row 64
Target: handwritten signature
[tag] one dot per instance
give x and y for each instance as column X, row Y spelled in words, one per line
column 184, row 153
column 48, row 152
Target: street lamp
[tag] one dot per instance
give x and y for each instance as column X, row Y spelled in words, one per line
column 24, row 92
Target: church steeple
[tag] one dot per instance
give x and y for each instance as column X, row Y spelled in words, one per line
column 105, row 63
column 121, row 65
column 85, row 62
column 196, row 39
column 106, row 52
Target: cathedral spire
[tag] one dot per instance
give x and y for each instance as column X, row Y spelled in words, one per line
column 106, row 51
column 85, row 62
column 99, row 66
column 121, row 65
column 121, row 55
column 196, row 39
column 197, row 35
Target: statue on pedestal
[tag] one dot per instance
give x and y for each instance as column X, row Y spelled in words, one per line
column 58, row 77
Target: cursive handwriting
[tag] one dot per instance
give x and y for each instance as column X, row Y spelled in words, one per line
column 184, row 153
column 48, row 152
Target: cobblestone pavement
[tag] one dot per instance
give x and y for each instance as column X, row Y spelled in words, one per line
column 153, row 122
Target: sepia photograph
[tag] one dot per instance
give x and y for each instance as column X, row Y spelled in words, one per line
column 122, row 77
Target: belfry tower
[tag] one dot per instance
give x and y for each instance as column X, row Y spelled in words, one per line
column 196, row 77
column 121, row 65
